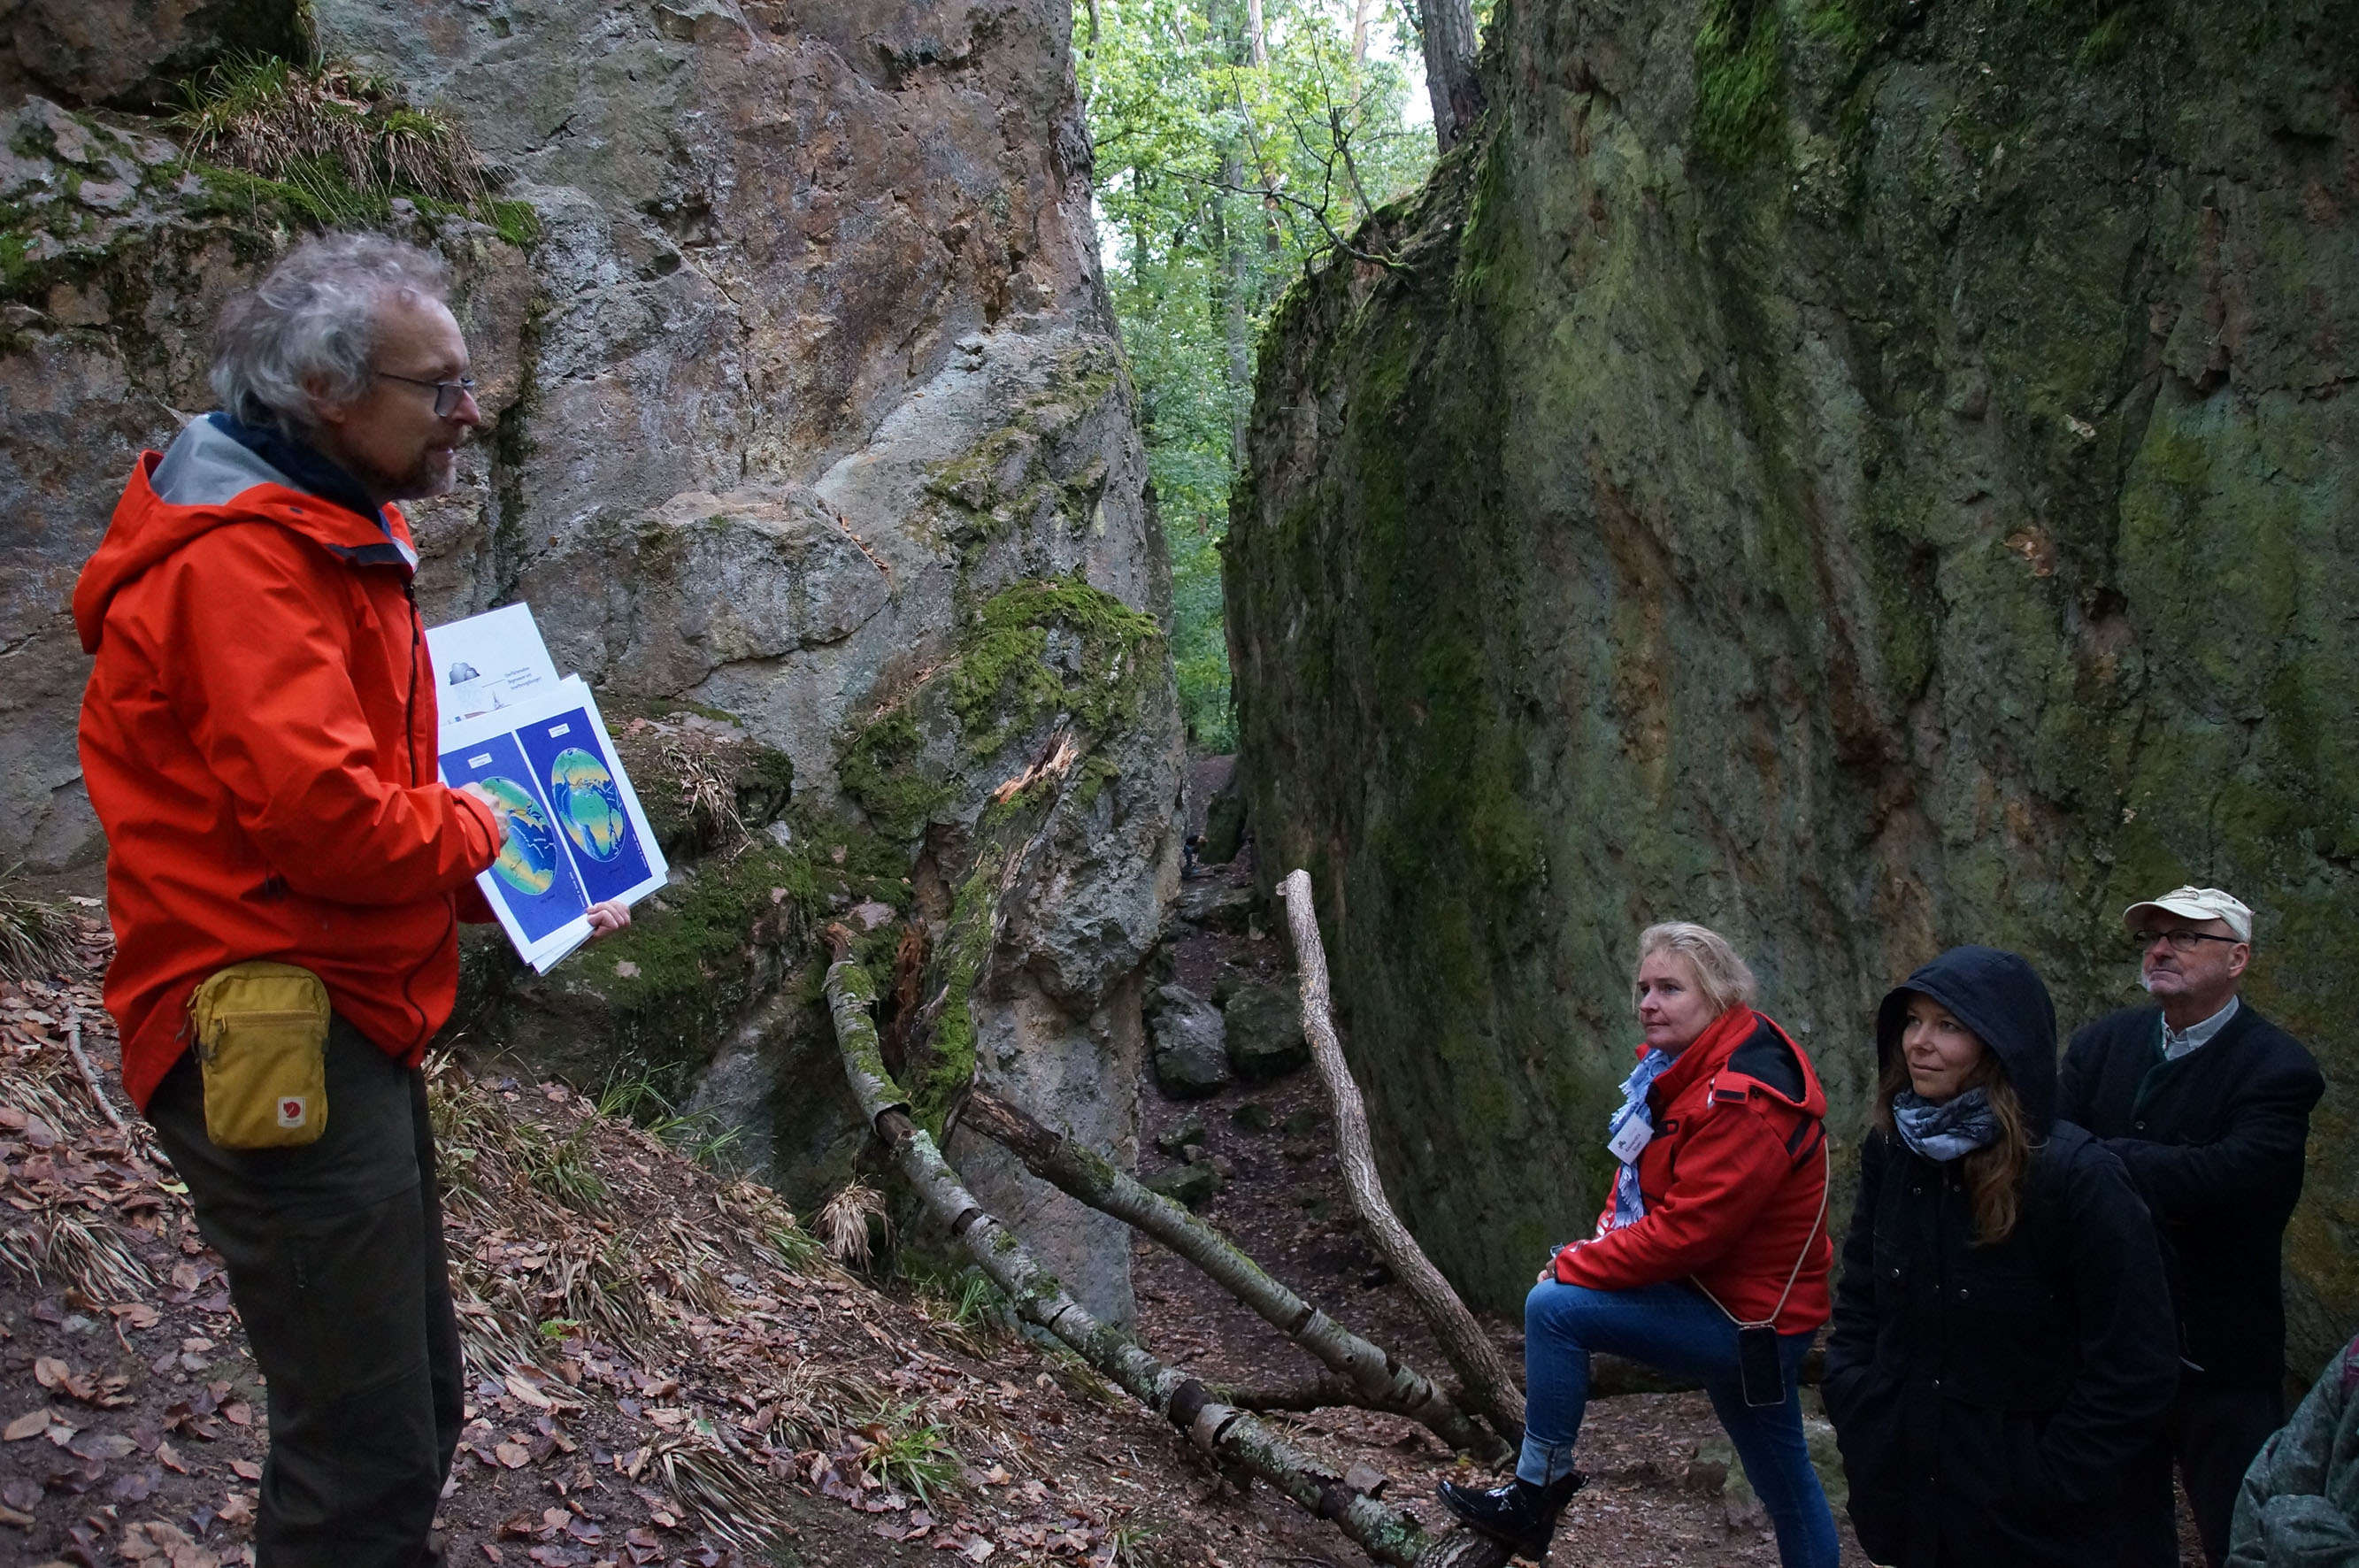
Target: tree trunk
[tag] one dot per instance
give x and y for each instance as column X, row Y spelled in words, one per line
column 1257, row 33
column 1450, row 79
column 1222, row 1431
column 1490, row 1386
column 1367, row 1375
column 1360, row 10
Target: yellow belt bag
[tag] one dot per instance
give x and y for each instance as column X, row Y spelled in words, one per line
column 261, row 1033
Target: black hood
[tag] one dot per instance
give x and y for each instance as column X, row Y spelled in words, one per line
column 1999, row 995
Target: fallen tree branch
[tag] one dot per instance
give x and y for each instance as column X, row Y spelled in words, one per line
column 1324, row 1392
column 89, row 1073
column 1367, row 1375
column 1230, row 1435
column 1490, row 1386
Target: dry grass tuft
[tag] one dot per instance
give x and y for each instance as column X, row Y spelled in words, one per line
column 843, row 1224
column 36, row 938
column 301, row 128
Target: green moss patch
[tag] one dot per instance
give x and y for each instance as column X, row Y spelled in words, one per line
column 1009, row 674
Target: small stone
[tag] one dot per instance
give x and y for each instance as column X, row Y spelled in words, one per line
column 1301, row 1123
column 872, row 914
column 1251, row 1116
column 1218, row 906
column 1265, row 1032
column 1191, row 1055
column 1192, row 1185
column 1188, row 1134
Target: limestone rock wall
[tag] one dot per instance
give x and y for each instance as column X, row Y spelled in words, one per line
column 1867, row 475
column 808, row 368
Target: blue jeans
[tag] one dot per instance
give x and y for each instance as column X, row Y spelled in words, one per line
column 1672, row 1327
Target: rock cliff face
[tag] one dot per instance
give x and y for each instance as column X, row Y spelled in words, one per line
column 1867, row 475
column 807, row 412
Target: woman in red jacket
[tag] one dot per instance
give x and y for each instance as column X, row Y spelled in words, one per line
column 1710, row 1258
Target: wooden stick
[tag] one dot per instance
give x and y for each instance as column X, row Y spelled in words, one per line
column 1235, row 1436
column 1490, row 1386
column 1366, row 1375
column 89, row 1073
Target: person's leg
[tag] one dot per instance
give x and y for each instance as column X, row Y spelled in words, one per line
column 1665, row 1326
column 2150, row 1510
column 1776, row 1457
column 326, row 1247
column 2217, row 1430
column 445, row 1363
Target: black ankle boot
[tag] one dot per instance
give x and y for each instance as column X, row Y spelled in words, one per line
column 1519, row 1514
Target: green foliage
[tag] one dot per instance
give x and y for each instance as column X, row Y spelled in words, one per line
column 561, row 1169
column 1740, row 80
column 911, row 1457
column 1199, row 643
column 329, row 144
column 1223, row 167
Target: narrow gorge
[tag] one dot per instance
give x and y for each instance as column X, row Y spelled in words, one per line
column 1867, row 475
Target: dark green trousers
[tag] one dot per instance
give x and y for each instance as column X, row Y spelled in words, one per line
column 337, row 1267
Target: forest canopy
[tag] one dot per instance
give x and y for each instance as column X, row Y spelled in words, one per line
column 1235, row 141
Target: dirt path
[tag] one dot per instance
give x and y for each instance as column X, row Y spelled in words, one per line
column 1656, row 1460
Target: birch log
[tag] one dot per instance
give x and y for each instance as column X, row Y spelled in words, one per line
column 1490, row 1385
column 1366, row 1375
column 1387, row 1534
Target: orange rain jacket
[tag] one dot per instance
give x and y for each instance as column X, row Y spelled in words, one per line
column 257, row 737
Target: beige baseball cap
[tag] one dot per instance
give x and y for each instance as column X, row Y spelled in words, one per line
column 2196, row 904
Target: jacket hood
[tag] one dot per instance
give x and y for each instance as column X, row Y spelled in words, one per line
column 212, row 476
column 2000, row 996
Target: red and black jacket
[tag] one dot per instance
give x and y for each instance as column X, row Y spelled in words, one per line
column 1734, row 1180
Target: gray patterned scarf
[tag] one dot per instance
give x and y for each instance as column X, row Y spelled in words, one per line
column 1944, row 1129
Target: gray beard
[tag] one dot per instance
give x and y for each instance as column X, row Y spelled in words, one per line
column 435, row 474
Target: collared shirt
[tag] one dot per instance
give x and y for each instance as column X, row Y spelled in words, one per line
column 2176, row 1043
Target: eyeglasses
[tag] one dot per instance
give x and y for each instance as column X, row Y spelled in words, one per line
column 446, row 393
column 2180, row 940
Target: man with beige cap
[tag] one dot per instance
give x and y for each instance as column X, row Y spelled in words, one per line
column 2208, row 1103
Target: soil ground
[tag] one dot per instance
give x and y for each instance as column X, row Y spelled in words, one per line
column 663, row 1368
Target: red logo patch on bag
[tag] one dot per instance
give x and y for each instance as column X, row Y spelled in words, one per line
column 292, row 1110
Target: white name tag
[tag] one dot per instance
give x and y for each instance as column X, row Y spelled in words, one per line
column 1632, row 1136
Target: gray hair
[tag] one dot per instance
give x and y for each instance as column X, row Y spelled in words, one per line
column 304, row 335
column 1724, row 979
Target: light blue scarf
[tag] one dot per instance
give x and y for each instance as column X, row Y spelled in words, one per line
column 1946, row 1129
column 1628, row 1204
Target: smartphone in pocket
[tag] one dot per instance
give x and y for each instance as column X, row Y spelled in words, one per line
column 1759, row 1368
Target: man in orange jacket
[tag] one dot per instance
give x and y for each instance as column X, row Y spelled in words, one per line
column 258, row 739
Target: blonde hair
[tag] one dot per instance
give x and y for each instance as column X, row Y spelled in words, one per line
column 1723, row 978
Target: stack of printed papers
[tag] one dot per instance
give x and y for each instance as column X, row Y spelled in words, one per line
column 576, row 835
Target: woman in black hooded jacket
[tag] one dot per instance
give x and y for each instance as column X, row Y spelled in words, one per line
column 2003, row 1344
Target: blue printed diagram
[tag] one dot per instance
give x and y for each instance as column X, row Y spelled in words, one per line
column 571, row 765
column 575, row 835
column 536, row 878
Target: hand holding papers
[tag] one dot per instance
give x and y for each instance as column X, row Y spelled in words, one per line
column 575, row 834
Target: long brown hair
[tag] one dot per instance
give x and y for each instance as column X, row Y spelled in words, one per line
column 1993, row 1173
